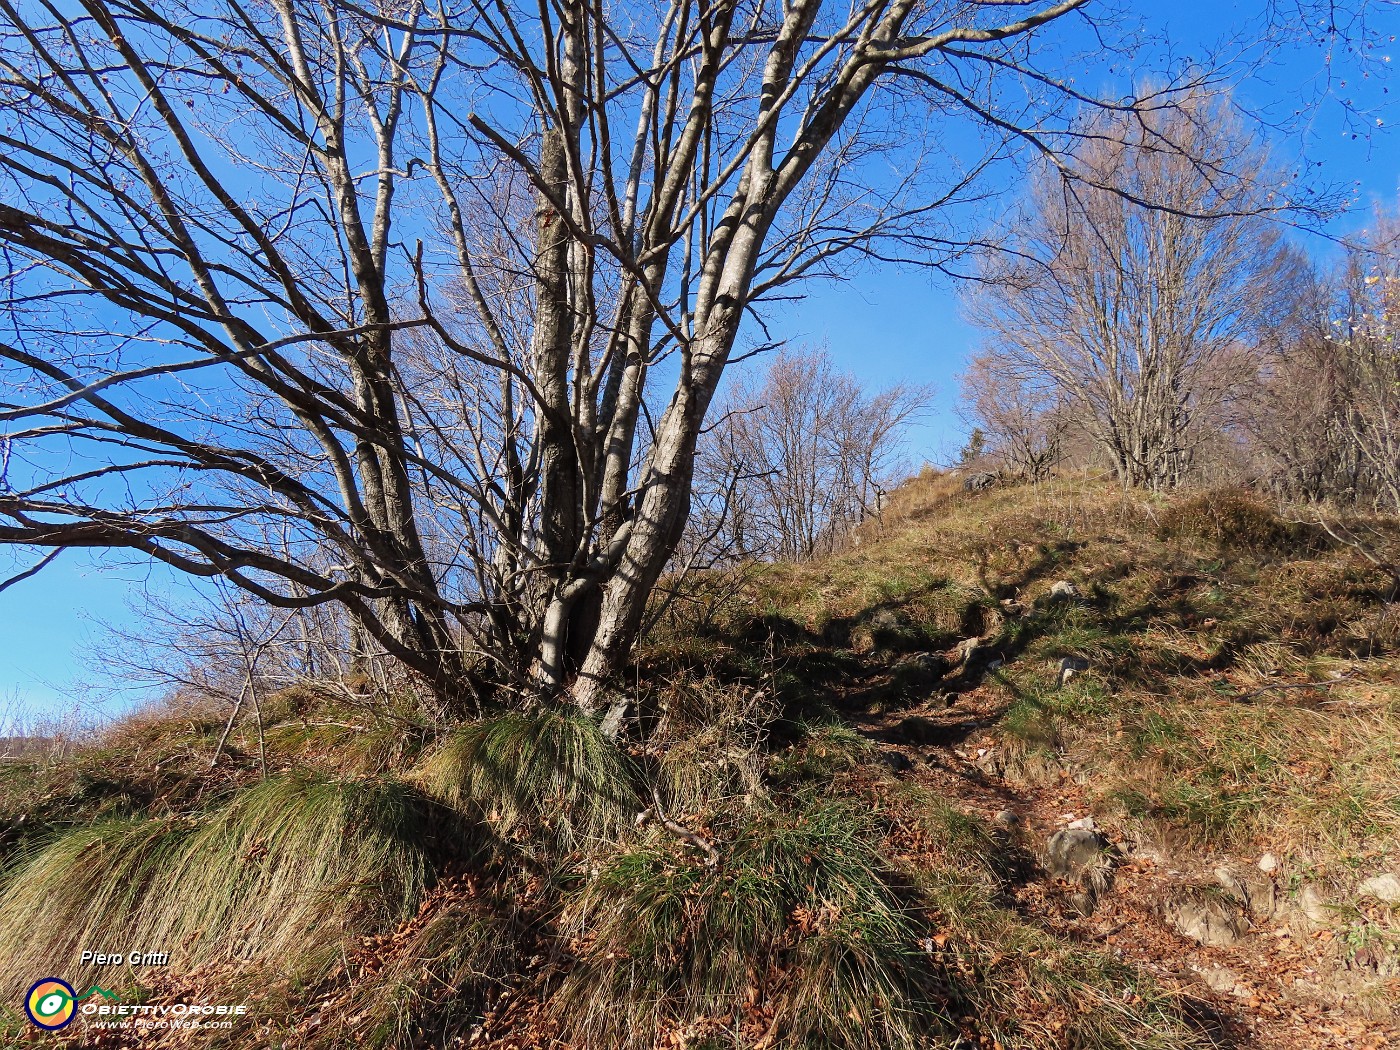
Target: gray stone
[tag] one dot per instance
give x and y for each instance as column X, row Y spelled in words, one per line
column 921, row 669
column 1083, row 902
column 1006, row 818
column 1084, row 824
column 1061, row 589
column 1254, row 891
column 916, row 729
column 990, row 761
column 1382, row 887
column 1219, row 979
column 1268, row 863
column 1213, row 921
column 1073, row 852
column 884, row 620
column 1071, row 666
column 979, row 482
column 897, row 761
column 1311, row 904
column 967, row 649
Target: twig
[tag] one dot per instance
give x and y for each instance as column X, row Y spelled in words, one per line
column 679, row 830
column 1281, row 686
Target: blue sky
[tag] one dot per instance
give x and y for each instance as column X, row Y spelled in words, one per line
column 884, row 325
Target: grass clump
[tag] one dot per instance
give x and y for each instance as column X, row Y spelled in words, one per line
column 436, row 978
column 278, row 877
column 824, row 750
column 1021, row 988
column 1233, row 519
column 708, row 742
column 796, row 938
column 548, row 772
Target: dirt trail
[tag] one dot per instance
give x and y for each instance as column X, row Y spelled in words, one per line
column 1282, row 987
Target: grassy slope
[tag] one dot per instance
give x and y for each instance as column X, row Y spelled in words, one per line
column 1201, row 617
column 505, row 889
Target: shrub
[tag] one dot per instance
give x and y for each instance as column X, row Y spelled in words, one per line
column 1234, row 519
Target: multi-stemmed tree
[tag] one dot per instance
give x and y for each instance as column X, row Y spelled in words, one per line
column 417, row 310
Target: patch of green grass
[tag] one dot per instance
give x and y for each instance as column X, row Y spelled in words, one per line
column 549, row 773
column 824, row 750
column 798, row 914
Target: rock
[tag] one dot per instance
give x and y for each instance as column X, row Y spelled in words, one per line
column 1062, row 589
column 1213, row 921
column 967, row 649
column 1268, row 863
column 1311, row 904
column 1219, row 979
column 1382, row 887
column 1084, row 902
column 1083, row 824
column 1074, row 852
column 1071, row 666
column 1006, row 818
column 916, row 729
column 920, row 669
column 1084, row 859
column 1255, row 892
column 990, row 761
column 978, row 482
column 884, row 620
column 897, row 761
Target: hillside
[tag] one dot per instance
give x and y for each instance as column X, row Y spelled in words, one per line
column 1034, row 767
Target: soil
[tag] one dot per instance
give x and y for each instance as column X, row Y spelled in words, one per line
column 1283, row 986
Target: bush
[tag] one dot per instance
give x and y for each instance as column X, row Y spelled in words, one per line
column 1233, row 519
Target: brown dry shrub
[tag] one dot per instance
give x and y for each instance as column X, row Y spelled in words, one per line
column 1233, row 519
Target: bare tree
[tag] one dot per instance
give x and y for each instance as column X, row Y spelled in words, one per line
column 1366, row 333
column 1020, row 415
column 1298, row 415
column 419, row 310
column 1324, row 417
column 1144, row 320
column 805, row 453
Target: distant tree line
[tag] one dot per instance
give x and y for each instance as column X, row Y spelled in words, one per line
column 1191, row 341
column 799, row 456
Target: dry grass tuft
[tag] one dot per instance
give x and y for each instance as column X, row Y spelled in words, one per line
column 278, row 878
column 548, row 773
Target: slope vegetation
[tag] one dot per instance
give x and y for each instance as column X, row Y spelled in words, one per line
column 1028, row 768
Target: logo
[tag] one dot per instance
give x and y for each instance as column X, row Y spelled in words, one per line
column 51, row 1003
